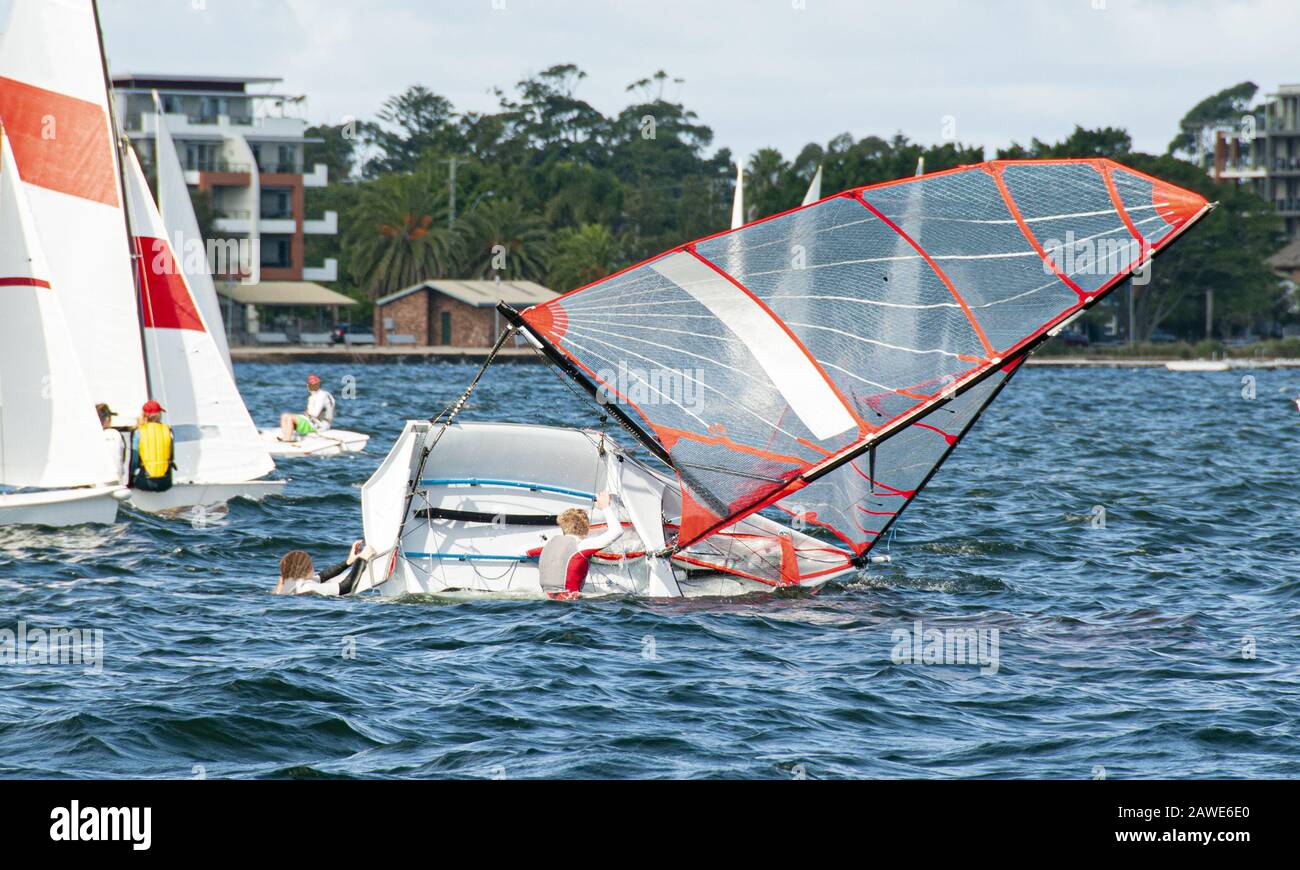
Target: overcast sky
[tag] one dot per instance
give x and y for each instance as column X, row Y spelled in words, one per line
column 759, row 72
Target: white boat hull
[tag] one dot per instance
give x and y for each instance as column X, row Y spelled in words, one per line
column 486, row 502
column 60, row 508
column 184, row 496
column 335, row 442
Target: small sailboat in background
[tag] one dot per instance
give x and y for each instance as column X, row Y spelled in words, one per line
column 814, row 189
column 738, row 198
column 53, row 72
column 50, row 436
column 219, row 454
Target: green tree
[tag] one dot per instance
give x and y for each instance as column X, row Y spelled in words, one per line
column 409, row 125
column 500, row 238
column 336, row 148
column 1226, row 254
column 1219, row 111
column 581, row 256
column 397, row 236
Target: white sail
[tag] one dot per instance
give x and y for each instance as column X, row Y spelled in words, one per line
column 183, row 232
column 49, row 433
column 814, row 189
column 55, row 105
column 216, row 441
column 738, row 201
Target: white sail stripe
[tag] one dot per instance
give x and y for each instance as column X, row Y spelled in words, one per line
column 775, row 427
column 805, row 387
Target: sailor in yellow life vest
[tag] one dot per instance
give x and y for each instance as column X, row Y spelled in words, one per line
column 152, row 454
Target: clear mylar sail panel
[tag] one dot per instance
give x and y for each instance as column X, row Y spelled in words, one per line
column 764, row 357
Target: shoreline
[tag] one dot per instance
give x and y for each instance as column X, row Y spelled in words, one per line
column 526, row 356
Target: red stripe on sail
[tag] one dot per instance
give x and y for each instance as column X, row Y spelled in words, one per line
column 60, row 143
column 24, row 282
column 165, row 299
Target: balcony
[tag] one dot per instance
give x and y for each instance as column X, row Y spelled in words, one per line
column 327, row 226
column 327, row 272
column 1288, row 207
column 318, row 177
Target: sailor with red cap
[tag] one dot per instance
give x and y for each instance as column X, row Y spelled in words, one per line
column 152, row 451
column 319, row 416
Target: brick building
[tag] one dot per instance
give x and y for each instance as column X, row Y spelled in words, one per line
column 452, row 313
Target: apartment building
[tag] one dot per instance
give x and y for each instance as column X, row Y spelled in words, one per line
column 243, row 142
column 1266, row 156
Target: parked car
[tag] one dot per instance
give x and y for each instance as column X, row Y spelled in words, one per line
column 1075, row 339
column 339, row 333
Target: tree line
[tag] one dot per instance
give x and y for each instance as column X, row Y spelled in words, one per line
column 548, row 188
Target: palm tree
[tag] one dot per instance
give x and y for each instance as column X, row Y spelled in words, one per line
column 582, row 256
column 397, row 237
column 500, row 238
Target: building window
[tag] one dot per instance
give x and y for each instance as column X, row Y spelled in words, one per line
column 275, row 252
column 277, row 203
column 446, row 329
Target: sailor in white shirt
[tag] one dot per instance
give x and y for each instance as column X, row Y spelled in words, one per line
column 319, row 416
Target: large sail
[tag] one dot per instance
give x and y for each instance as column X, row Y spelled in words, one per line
column 49, row 433
column 54, row 104
column 859, row 502
column 183, row 226
column 763, row 359
column 216, row 441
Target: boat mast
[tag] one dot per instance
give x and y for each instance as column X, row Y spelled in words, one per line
column 133, row 250
column 566, row 366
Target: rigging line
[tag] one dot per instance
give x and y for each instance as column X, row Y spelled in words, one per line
column 983, row 406
column 450, row 412
column 775, row 427
column 572, row 369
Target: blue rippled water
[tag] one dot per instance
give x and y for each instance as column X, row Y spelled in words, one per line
column 1166, row 644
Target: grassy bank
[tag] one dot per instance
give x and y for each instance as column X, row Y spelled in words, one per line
column 1285, row 348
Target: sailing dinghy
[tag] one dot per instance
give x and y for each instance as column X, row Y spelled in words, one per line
column 55, row 102
column 819, row 365
column 335, row 442
column 219, row 454
column 50, row 437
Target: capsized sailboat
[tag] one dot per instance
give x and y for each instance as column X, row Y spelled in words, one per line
column 828, row 387
column 219, row 453
column 55, row 464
